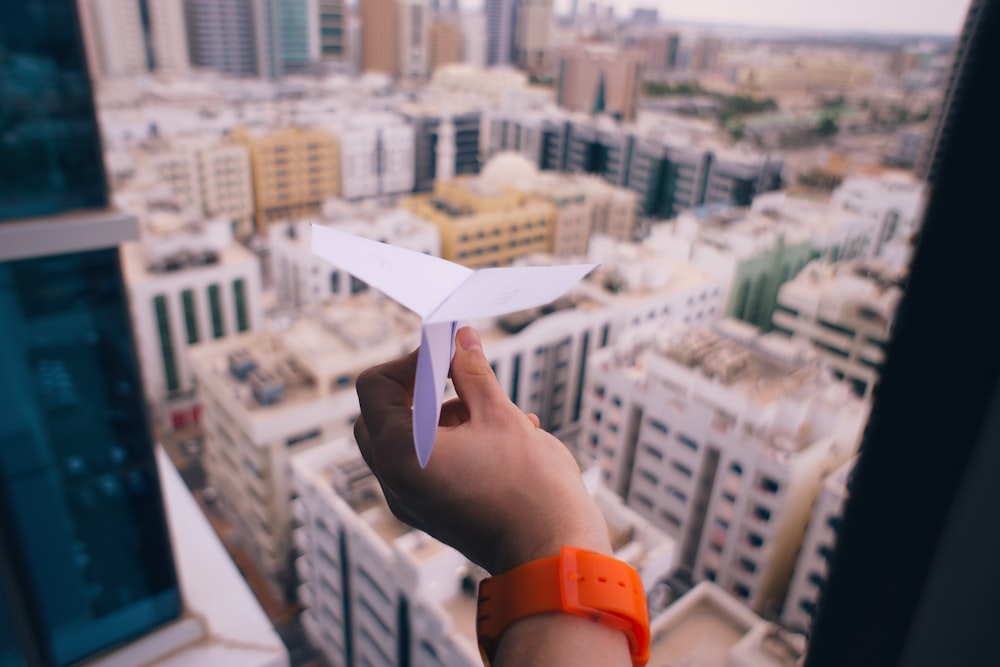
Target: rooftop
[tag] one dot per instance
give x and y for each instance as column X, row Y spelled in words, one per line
column 699, row 629
column 843, row 290
column 314, row 358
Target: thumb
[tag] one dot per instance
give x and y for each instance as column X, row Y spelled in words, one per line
column 472, row 376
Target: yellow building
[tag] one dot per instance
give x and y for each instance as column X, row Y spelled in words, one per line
column 484, row 225
column 294, row 170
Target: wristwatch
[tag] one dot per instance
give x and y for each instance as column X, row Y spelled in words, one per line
column 579, row 582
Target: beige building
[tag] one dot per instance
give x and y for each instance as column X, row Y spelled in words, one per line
column 210, row 178
column 380, row 36
column 414, row 45
column 267, row 396
column 168, row 32
column 484, row 225
column 584, row 205
column 531, row 33
column 805, row 73
column 294, row 170
column 599, row 79
column 116, row 43
column 445, row 43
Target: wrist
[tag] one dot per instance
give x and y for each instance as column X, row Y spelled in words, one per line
column 590, row 534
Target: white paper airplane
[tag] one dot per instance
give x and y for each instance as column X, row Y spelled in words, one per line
column 441, row 293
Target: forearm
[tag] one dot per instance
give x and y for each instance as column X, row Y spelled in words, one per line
column 561, row 639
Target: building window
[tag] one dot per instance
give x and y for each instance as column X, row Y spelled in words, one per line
column 682, row 469
column 741, row 591
column 755, row 540
column 240, row 296
column 748, row 565
column 670, row 518
column 649, row 477
column 762, row 513
column 215, row 305
column 710, row 575
column 659, row 426
column 334, row 282
column 687, row 442
column 736, row 468
column 653, row 451
column 643, row 500
column 166, row 343
column 303, row 437
column 817, row 580
column 190, row 316
column 677, row 493
column 769, row 485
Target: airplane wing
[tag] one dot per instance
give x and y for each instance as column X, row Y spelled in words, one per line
column 417, row 281
column 493, row 292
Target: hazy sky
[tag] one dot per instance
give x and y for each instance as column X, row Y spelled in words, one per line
column 942, row 17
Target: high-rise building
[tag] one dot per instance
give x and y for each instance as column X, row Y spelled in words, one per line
column 287, row 36
column 445, row 44
column 813, row 563
column 302, row 279
column 599, row 80
column 531, row 33
column 87, row 562
column 501, row 21
column 474, row 38
column 294, row 170
column 380, row 49
column 266, row 396
column 414, row 46
column 168, row 33
column 722, row 437
column 120, row 41
column 333, row 37
column 659, row 52
column 845, row 311
column 222, row 36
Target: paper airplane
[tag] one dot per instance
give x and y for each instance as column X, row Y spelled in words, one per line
column 441, row 293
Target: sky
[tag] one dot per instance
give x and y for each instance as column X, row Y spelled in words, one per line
column 939, row 17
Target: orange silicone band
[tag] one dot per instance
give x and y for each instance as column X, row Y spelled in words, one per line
column 579, row 582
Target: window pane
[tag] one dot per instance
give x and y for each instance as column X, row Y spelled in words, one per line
column 239, row 293
column 51, row 157
column 166, row 344
column 76, row 465
column 190, row 316
column 218, row 330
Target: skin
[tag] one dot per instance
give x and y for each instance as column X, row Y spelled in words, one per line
column 497, row 488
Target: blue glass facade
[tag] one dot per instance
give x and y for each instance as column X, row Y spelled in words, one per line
column 85, row 557
column 50, row 148
column 79, row 485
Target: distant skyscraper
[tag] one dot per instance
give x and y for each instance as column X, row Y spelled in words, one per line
column 287, row 40
column 333, row 30
column 474, row 39
column 119, row 43
column 168, row 34
column 599, row 80
column 445, row 44
column 414, row 50
column 531, row 34
column 380, row 36
column 501, row 18
column 645, row 16
column 222, row 36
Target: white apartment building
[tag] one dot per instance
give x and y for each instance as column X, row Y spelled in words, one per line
column 414, row 39
column 187, row 282
column 266, row 396
column 376, row 155
column 473, row 27
column 722, row 437
column 393, row 594
column 708, row 628
column 540, row 356
column 820, row 541
column 168, row 32
column 846, row 312
column 893, row 202
column 208, row 177
column 303, row 279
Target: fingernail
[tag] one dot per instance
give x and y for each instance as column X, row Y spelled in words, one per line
column 468, row 338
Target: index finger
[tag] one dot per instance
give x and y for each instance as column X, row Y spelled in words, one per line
column 385, row 393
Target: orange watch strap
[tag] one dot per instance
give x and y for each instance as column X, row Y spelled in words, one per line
column 580, row 582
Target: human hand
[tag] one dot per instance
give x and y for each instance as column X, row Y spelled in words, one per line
column 497, row 488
